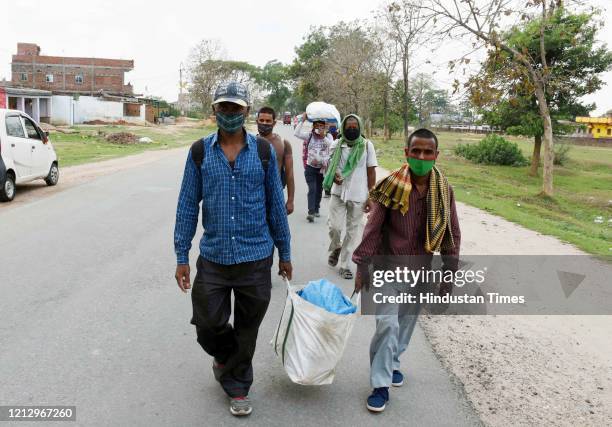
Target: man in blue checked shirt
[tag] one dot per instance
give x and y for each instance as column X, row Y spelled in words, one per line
column 244, row 217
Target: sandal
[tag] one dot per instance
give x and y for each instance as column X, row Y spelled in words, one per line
column 333, row 258
column 346, row 273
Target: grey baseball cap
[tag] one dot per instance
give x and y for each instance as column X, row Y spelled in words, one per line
column 234, row 92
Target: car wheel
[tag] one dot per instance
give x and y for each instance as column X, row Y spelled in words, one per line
column 7, row 192
column 53, row 176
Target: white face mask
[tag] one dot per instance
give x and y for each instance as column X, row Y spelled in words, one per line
column 318, row 131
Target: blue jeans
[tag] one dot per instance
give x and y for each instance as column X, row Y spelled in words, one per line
column 314, row 180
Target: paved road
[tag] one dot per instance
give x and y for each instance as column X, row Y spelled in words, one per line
column 90, row 316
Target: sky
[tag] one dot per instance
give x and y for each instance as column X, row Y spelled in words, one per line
column 159, row 36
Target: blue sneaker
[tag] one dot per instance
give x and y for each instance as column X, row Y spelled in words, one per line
column 378, row 399
column 398, row 379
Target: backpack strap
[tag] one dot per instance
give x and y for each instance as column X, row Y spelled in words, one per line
column 197, row 152
column 264, row 151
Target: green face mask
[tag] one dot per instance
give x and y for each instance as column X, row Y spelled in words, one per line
column 420, row 167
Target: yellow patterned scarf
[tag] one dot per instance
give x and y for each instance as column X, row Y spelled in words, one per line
column 394, row 193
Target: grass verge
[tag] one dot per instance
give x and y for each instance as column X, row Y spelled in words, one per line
column 88, row 143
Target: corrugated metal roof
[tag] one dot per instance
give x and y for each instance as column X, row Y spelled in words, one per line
column 26, row 92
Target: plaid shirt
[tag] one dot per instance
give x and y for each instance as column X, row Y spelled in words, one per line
column 243, row 212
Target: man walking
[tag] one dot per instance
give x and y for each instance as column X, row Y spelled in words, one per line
column 235, row 176
column 266, row 119
column 412, row 213
column 350, row 175
column 315, row 155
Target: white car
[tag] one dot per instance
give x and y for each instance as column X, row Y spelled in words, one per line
column 26, row 154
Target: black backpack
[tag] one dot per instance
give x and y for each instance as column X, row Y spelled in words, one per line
column 263, row 151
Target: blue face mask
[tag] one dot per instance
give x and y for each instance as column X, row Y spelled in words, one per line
column 230, row 122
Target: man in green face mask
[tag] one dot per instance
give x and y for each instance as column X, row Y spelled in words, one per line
column 412, row 215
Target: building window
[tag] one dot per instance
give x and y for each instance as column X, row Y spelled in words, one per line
column 598, row 130
column 609, row 131
column 78, row 79
column 49, row 78
column 23, row 77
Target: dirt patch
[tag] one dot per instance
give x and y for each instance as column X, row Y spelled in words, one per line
column 124, row 138
column 525, row 370
column 102, row 122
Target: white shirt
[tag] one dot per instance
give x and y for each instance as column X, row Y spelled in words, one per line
column 354, row 188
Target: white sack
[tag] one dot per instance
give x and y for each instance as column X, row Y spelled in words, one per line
column 310, row 340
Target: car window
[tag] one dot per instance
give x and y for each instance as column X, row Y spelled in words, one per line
column 31, row 129
column 13, row 127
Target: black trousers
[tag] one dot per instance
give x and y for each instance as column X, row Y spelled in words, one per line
column 314, row 180
column 231, row 345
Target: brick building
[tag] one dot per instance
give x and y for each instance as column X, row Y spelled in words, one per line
column 68, row 75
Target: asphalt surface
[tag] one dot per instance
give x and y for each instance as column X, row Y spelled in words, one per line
column 90, row 315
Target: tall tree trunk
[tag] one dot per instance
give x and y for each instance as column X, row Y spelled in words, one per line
column 535, row 158
column 547, row 175
column 386, row 115
column 405, row 99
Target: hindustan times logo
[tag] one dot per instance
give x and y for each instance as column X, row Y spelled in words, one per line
column 412, row 277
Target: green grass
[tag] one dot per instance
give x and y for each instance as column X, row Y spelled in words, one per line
column 583, row 190
column 88, row 146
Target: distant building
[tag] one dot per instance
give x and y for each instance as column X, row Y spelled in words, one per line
column 597, row 127
column 34, row 102
column 68, row 75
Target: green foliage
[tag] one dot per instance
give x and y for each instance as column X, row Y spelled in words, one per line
column 427, row 99
column 492, row 150
column 307, row 66
column 561, row 154
column 273, row 77
column 504, row 90
column 195, row 114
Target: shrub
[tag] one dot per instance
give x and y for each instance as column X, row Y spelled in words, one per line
column 492, row 150
column 561, row 154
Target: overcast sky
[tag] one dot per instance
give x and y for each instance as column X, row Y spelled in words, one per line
column 159, row 36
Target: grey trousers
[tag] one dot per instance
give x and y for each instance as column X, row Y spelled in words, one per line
column 347, row 216
column 394, row 326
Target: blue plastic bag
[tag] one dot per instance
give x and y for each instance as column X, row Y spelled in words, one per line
column 328, row 296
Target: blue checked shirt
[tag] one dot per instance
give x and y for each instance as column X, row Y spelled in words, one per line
column 243, row 212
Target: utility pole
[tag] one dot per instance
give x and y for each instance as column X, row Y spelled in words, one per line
column 181, row 79
column 180, row 98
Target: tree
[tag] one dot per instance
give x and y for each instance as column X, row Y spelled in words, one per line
column 202, row 78
column 427, row 99
column 307, row 66
column 349, row 78
column 386, row 57
column 481, row 20
column 406, row 25
column 207, row 69
column 506, row 95
column 273, row 78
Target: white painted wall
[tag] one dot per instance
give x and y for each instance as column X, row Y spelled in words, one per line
column 61, row 110
column 88, row 108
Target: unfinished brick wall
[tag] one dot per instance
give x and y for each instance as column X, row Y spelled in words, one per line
column 69, row 74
